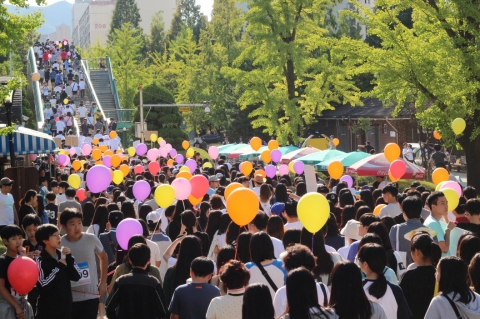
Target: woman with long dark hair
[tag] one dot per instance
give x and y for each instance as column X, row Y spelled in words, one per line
column 26, row 205
column 99, row 222
column 281, row 195
column 218, row 240
column 243, row 247
column 88, row 211
column 203, row 216
column 325, row 260
column 213, row 223
column 257, row 302
column 394, row 260
column 474, row 273
column 468, row 247
column 367, row 197
column 177, row 275
column 455, row 299
column 40, row 208
column 173, row 228
column 418, row 284
column 348, row 213
column 128, row 210
column 347, row 296
column 302, row 297
column 265, row 197
column 373, row 259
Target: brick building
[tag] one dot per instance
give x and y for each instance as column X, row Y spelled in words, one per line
column 384, row 128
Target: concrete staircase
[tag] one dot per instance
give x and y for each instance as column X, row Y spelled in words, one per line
column 101, row 85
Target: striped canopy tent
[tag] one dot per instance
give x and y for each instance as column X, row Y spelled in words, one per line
column 347, row 160
column 224, row 151
column 27, row 141
column 291, row 156
column 254, row 155
column 378, row 165
column 317, row 157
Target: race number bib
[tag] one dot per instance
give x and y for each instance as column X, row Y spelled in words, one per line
column 85, row 272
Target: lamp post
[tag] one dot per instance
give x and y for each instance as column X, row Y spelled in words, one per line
column 8, row 102
column 124, row 136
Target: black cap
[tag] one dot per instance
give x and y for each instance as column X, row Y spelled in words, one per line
column 115, row 215
column 415, row 184
column 332, row 197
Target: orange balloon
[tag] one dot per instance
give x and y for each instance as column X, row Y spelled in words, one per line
column 95, row 148
column 272, row 145
column 184, row 174
column 76, row 165
column 95, row 141
column 266, row 158
column 246, row 168
column 118, row 152
column 170, row 162
column 256, row 143
column 392, row 152
column 103, row 148
column 261, row 172
column 125, row 159
column 96, row 154
column 437, row 135
column 115, row 160
column 112, row 134
column 125, row 169
column 194, row 201
column 242, row 206
column 336, row 141
column 392, row 178
column 230, row 188
column 98, row 163
column 185, row 145
column 108, row 153
column 440, row 175
column 335, row 169
column 377, row 209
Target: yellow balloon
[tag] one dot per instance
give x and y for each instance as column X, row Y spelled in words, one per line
column 118, row 176
column 266, row 158
column 164, row 195
column 207, row 165
column 74, row 180
column 60, row 45
column 190, row 153
column 313, row 211
column 184, row 169
column 131, row 151
column 153, row 137
column 458, row 125
column 439, row 186
column 290, row 166
column 65, row 101
column 452, row 198
column 335, row 169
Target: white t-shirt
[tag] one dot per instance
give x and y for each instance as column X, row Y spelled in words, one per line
column 266, row 207
column 154, row 252
column 82, row 111
column 388, row 301
column 294, row 225
column 330, row 249
column 280, row 300
column 55, row 65
column 114, row 143
column 60, row 126
column 94, row 230
column 391, row 210
column 82, row 85
column 6, row 209
column 275, row 270
column 48, row 112
column 278, row 247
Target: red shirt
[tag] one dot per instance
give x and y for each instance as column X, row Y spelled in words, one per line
column 45, row 56
column 63, row 55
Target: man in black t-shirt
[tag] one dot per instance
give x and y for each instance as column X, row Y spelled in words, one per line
column 51, row 208
column 438, row 158
column 472, row 212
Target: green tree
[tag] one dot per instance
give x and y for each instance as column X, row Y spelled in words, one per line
column 188, row 13
column 431, row 63
column 294, row 75
column 128, row 64
column 125, row 11
column 156, row 40
column 165, row 120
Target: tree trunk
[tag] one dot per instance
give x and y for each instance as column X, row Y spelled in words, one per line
column 290, row 78
column 472, row 155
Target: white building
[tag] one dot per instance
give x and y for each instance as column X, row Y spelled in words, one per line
column 61, row 31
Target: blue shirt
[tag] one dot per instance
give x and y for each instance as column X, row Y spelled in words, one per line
column 352, row 252
column 191, row 301
column 433, row 223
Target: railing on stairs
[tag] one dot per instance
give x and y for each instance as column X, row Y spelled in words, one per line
column 123, row 115
column 86, row 71
column 113, row 85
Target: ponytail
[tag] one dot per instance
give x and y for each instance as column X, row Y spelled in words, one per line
column 430, row 249
column 376, row 258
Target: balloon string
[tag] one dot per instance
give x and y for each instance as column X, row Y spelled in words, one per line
column 313, row 236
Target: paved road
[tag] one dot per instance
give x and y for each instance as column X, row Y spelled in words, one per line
column 462, row 177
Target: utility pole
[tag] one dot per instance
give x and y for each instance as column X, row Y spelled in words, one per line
column 8, row 106
column 141, row 114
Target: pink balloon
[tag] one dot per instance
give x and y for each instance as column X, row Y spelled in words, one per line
column 179, row 159
column 173, row 152
column 139, row 169
column 69, row 53
column 347, row 179
column 154, row 167
column 62, row 159
column 65, row 42
column 182, row 188
column 98, row 178
column 56, row 42
column 32, row 157
column 141, row 190
column 163, row 143
column 454, row 185
column 163, row 152
column 298, row 167
column 398, row 168
column 283, row 170
column 141, row 149
column 126, row 229
column 213, row 151
column 107, row 161
column 67, row 161
column 270, row 170
column 86, row 149
column 49, row 56
column 276, row 155
column 72, row 151
column 152, row 154
column 200, row 186
column 192, row 165
column 168, row 147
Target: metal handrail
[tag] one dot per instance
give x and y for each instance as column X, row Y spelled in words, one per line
column 92, row 92
column 113, row 85
column 124, row 115
column 37, row 94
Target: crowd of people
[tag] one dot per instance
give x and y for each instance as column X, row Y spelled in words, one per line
column 193, row 261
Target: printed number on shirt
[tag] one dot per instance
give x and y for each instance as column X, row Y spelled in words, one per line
column 85, row 279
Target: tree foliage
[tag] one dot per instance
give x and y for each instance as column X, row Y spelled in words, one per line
column 156, row 39
column 125, row 11
column 431, row 64
column 188, row 14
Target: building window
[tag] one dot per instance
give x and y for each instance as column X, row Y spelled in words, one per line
column 384, row 128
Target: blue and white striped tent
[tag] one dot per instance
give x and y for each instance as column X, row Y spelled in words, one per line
column 27, row 141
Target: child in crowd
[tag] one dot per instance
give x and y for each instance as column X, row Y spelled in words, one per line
column 30, row 224
column 57, row 269
column 61, row 197
column 12, row 304
column 51, row 208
